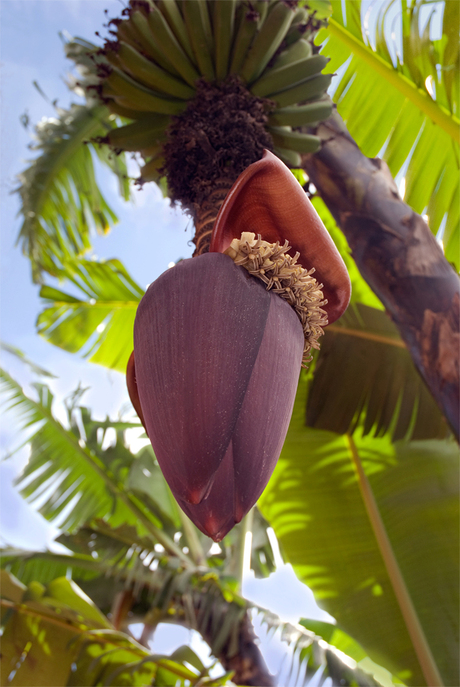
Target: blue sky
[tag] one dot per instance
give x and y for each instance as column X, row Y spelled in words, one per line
column 147, row 238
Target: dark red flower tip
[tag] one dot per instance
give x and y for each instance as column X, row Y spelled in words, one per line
column 217, row 360
column 266, row 199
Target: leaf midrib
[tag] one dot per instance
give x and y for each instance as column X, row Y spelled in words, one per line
column 369, row 336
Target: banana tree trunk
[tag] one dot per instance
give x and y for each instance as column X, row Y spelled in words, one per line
column 247, row 663
column 397, row 255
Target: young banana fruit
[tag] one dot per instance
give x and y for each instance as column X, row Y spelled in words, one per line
column 151, row 170
column 295, row 52
column 223, row 23
column 276, row 79
column 141, row 97
column 166, row 41
column 294, row 140
column 149, row 74
column 196, row 17
column 139, row 135
column 266, row 42
column 173, row 16
column 290, row 157
column 302, row 115
column 311, row 89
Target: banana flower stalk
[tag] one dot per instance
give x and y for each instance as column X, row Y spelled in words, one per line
column 217, row 356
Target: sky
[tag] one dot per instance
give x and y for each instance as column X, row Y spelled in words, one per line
column 147, row 238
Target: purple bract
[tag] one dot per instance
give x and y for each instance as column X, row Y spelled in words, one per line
column 217, row 360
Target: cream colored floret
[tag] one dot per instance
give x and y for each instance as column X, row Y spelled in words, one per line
column 281, row 273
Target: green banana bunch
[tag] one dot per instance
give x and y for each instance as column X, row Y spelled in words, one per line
column 198, row 25
column 310, row 89
column 174, row 19
column 246, row 26
column 144, row 38
column 141, row 97
column 162, row 47
column 290, row 157
column 223, row 24
column 166, row 41
column 266, row 42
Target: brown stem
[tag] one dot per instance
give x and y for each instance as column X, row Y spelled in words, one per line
column 121, row 606
column 206, row 213
column 397, row 255
column 247, row 663
column 147, row 635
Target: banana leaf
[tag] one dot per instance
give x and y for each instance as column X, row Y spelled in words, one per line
column 326, row 491
column 376, row 387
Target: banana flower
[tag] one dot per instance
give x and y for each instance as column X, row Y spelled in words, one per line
column 217, row 356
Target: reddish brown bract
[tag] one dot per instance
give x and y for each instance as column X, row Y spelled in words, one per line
column 267, row 200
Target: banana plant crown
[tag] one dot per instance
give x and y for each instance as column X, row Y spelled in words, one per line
column 163, row 56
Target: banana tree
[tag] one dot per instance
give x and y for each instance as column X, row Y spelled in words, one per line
column 260, row 88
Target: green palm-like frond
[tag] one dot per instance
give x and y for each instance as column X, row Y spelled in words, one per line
column 403, row 100
column 309, row 652
column 98, row 551
column 101, row 321
column 14, row 350
column 71, row 475
column 62, row 469
column 44, row 566
column 108, row 488
column 61, row 202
